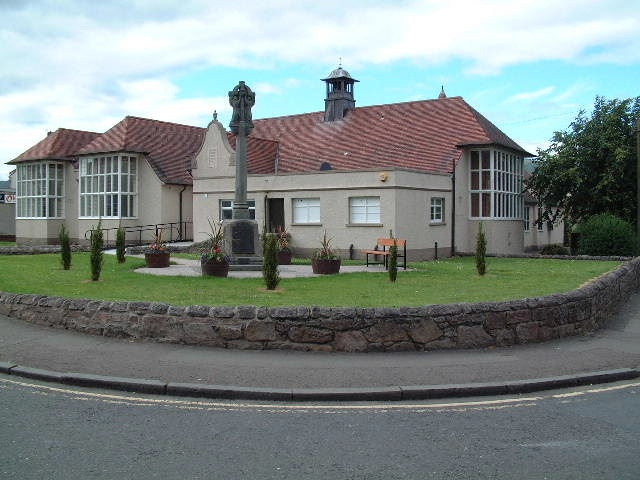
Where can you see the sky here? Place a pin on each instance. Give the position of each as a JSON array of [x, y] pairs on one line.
[[528, 66]]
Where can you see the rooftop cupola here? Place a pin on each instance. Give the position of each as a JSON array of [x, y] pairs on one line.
[[339, 98]]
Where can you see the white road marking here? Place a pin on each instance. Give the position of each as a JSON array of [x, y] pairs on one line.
[[213, 405]]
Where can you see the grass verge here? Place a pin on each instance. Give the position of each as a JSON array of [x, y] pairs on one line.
[[445, 281]]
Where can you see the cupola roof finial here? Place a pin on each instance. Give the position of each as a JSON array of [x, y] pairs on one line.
[[442, 94]]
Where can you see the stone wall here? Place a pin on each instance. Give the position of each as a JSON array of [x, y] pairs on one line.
[[344, 329]]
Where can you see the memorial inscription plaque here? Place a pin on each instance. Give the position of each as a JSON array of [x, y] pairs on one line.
[[242, 238]]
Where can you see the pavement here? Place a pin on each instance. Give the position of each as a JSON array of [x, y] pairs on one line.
[[73, 358]]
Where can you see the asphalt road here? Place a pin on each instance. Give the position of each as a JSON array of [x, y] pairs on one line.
[[56, 432]]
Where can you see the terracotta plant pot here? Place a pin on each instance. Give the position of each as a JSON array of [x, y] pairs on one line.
[[325, 266], [284, 257], [157, 260], [214, 268]]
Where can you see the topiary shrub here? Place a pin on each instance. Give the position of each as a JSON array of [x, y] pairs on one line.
[[554, 249], [481, 250], [606, 234], [270, 272], [65, 248], [120, 245], [97, 259], [393, 261]]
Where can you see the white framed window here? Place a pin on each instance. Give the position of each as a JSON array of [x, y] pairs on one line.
[[495, 184], [437, 210], [527, 219], [306, 210], [363, 210], [40, 190], [226, 209], [109, 186]]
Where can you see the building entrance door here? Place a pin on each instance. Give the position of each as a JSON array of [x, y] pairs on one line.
[[275, 213]]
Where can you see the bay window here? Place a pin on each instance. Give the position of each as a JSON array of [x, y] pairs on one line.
[[496, 185], [40, 190], [108, 186]]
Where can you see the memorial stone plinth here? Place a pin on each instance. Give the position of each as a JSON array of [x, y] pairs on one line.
[[241, 232]]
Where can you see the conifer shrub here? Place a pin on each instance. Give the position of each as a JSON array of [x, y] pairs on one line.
[[606, 234], [97, 258], [121, 245], [393, 261], [554, 249], [481, 250], [65, 248], [270, 272]]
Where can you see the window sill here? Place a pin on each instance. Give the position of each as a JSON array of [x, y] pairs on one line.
[[437, 224], [378, 225], [306, 224], [108, 218]]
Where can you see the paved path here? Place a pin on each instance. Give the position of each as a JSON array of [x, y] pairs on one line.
[[191, 268], [308, 376]]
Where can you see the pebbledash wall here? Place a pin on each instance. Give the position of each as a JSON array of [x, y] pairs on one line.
[[466, 325]]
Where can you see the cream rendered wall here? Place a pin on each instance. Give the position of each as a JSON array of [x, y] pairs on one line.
[[72, 201], [150, 198], [464, 237], [413, 211], [37, 231], [504, 237], [7, 219], [404, 198], [535, 239]]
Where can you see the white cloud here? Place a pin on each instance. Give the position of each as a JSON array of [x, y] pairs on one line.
[[266, 88], [87, 64], [529, 96]]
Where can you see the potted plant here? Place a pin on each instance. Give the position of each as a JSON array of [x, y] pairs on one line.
[[324, 260], [213, 261], [284, 252], [156, 255]]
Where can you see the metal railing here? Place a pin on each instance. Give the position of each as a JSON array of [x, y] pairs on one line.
[[171, 232]]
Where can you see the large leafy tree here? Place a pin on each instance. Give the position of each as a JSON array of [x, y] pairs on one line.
[[590, 168]]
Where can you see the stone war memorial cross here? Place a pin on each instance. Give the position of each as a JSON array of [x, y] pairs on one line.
[[241, 233]]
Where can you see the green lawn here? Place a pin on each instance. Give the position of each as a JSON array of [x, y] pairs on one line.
[[448, 281]]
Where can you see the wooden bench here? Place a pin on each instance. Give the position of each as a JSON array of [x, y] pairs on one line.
[[386, 244]]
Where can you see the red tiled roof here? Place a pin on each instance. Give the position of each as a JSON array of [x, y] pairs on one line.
[[59, 145], [423, 135], [261, 153], [170, 147]]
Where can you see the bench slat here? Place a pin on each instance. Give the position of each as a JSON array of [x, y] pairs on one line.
[[388, 242]]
